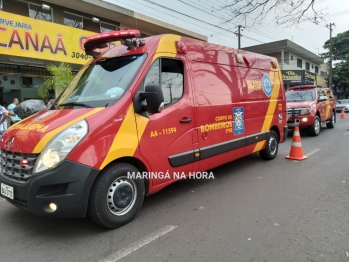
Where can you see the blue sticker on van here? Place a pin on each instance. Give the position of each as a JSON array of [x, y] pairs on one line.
[[239, 121], [267, 85]]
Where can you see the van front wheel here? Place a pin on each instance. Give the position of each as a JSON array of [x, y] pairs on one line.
[[271, 148], [116, 196]]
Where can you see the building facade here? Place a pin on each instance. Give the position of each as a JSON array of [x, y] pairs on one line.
[[298, 65], [35, 34]]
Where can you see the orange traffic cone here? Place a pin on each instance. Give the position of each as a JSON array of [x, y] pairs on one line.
[[343, 116], [296, 152]]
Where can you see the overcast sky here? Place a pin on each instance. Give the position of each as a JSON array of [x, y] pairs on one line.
[[307, 34]]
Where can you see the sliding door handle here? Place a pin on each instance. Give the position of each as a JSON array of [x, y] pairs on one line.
[[185, 120]]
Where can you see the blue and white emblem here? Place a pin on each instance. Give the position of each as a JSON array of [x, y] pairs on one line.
[[239, 120], [267, 85]]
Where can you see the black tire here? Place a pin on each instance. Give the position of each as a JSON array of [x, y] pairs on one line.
[[314, 129], [332, 123], [114, 189], [271, 148]]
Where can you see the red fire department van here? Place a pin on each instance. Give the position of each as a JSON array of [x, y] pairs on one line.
[[165, 104], [308, 106]]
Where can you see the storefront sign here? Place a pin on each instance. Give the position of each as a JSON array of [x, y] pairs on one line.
[[292, 76], [321, 81], [32, 38], [309, 78]]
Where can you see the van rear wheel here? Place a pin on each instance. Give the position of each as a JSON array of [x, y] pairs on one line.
[[271, 148], [116, 196]]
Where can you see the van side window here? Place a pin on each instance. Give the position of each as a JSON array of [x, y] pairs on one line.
[[322, 93], [170, 73], [153, 75], [329, 94], [319, 93], [172, 80]]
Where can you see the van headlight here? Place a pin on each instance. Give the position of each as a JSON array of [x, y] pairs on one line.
[[305, 111], [60, 146]]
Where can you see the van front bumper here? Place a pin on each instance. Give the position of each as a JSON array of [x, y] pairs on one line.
[[300, 121], [67, 186]]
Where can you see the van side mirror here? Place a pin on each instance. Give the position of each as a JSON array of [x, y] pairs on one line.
[[154, 98], [322, 98]]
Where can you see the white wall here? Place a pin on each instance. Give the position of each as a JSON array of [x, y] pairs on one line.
[[292, 64]]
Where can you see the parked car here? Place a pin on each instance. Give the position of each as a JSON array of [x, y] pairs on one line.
[[309, 106], [342, 103]]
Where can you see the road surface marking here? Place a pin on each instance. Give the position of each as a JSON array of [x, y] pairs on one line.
[[309, 154], [138, 244], [312, 152], [346, 134]]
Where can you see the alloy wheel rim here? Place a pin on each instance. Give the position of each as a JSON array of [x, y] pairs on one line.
[[317, 126]]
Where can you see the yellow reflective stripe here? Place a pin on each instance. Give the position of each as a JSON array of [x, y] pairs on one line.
[[167, 44], [126, 140], [272, 106], [43, 142], [328, 109]]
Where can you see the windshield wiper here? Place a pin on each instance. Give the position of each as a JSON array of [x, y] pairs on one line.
[[75, 104]]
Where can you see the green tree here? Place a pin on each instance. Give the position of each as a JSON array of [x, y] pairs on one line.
[[341, 81], [340, 47], [62, 75]]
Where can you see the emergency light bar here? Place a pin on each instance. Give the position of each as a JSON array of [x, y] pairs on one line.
[[101, 41]]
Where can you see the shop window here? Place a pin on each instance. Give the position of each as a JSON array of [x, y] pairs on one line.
[[287, 57], [27, 81], [38, 12], [73, 20], [170, 73], [299, 63], [105, 27]]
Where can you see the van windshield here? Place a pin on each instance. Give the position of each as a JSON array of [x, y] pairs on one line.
[[300, 96], [102, 83]]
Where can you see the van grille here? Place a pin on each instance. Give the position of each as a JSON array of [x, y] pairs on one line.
[[295, 111], [11, 168]]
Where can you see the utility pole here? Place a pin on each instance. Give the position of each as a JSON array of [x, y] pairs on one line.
[[239, 34], [330, 73]]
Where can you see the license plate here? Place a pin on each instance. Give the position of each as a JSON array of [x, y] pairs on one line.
[[7, 191]]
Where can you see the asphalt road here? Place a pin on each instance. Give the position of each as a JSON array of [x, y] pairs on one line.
[[280, 210]]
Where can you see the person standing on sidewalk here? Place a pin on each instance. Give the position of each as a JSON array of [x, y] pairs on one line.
[[11, 107], [5, 118]]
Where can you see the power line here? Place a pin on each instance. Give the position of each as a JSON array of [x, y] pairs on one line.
[[179, 19], [239, 35], [151, 2], [264, 28]]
